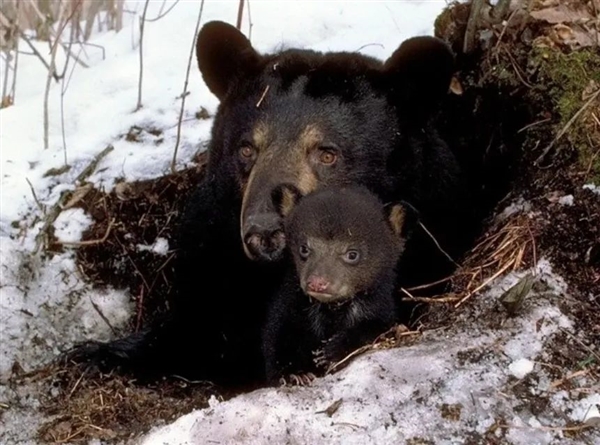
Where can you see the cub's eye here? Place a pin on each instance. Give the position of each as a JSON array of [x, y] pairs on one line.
[[327, 156], [304, 251], [352, 256], [247, 152]]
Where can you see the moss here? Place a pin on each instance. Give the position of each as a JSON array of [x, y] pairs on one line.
[[561, 79]]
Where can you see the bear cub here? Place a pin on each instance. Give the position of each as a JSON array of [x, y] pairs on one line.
[[345, 246]]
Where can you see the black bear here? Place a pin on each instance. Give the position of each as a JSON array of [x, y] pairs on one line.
[[341, 294], [311, 120]]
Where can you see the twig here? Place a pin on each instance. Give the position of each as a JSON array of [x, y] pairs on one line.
[[185, 85], [52, 73], [551, 428], [567, 126], [95, 306], [76, 384], [438, 245], [162, 14], [13, 89], [142, 21], [533, 124], [452, 299], [89, 242], [5, 82], [138, 321], [240, 15], [38, 55], [425, 286], [517, 69], [249, 21], [366, 45], [263, 96], [63, 90], [35, 198], [504, 26]]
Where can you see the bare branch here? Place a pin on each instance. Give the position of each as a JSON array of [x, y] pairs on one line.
[[161, 15], [13, 89], [240, 14], [142, 21], [184, 94], [249, 21], [37, 53]]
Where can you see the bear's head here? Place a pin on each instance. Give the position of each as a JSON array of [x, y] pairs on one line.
[[311, 119]]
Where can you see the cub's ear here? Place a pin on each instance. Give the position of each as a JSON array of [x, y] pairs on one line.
[[418, 74], [224, 55], [285, 197], [402, 218]]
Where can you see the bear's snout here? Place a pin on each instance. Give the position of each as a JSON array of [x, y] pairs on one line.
[[263, 237]]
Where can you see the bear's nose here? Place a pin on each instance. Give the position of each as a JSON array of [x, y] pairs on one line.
[[263, 237], [317, 284]]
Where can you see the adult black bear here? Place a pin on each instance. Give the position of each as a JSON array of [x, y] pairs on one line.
[[345, 245], [307, 119]]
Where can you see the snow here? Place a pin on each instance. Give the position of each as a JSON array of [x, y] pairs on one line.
[[593, 188], [46, 305], [566, 200], [521, 367], [159, 247]]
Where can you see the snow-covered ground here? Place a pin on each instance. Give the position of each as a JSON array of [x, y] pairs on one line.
[[45, 306]]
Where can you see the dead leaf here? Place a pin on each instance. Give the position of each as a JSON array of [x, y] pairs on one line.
[[78, 195], [331, 409], [513, 298], [562, 13], [57, 171]]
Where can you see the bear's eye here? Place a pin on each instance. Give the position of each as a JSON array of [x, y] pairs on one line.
[[352, 256], [327, 156], [304, 251], [247, 152]]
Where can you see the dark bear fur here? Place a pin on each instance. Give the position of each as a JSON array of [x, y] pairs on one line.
[[306, 328], [310, 119]]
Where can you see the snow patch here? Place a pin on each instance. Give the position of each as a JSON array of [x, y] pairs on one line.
[[566, 200], [587, 409], [593, 188], [159, 247], [521, 367], [519, 206], [70, 225]]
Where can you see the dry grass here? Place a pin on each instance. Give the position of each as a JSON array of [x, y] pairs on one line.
[[107, 407]]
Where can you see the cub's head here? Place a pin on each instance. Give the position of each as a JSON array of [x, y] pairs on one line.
[[310, 120], [343, 240]]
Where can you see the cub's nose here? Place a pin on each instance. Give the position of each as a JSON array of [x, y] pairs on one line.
[[263, 237], [317, 284]]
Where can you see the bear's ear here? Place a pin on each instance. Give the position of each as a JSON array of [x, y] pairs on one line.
[[224, 55], [285, 197], [418, 74], [402, 218]]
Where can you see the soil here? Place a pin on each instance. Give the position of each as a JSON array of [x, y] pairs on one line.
[[510, 106]]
